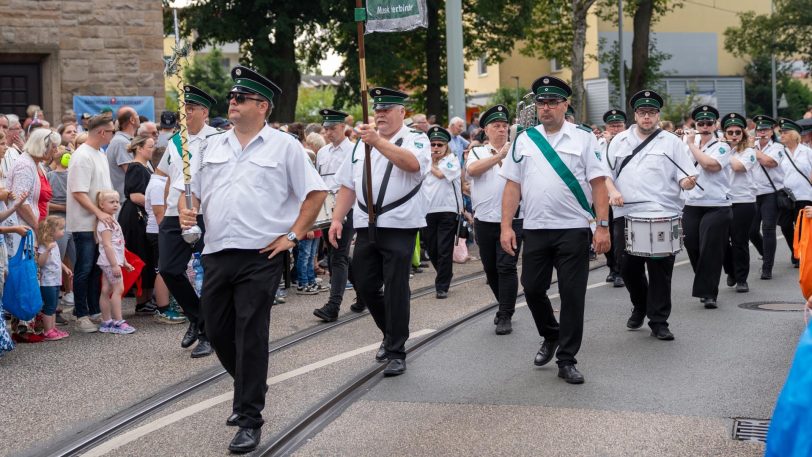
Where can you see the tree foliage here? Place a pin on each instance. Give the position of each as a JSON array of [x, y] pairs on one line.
[[785, 33], [610, 58], [312, 99], [507, 96], [207, 72], [758, 86]]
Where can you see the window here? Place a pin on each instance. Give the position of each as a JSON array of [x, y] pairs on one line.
[[481, 66], [554, 66]]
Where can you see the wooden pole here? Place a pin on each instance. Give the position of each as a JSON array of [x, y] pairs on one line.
[[365, 112]]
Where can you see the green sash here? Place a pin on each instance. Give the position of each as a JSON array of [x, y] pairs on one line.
[[560, 168], [178, 147]]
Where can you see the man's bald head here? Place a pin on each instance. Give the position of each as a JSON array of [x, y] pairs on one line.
[[127, 119]]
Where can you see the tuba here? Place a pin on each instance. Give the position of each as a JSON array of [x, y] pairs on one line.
[[526, 114]]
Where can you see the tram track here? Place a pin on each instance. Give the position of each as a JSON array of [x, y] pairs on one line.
[[89, 437]]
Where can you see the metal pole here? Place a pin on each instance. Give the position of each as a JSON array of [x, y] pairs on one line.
[[772, 73], [456, 68], [621, 64], [365, 112], [518, 90]]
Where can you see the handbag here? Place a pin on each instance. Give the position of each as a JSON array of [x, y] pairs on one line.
[[21, 294], [784, 198], [460, 254]]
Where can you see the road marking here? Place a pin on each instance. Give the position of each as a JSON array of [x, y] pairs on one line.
[[169, 419]]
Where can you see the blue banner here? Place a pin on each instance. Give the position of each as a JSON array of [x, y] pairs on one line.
[[94, 104]]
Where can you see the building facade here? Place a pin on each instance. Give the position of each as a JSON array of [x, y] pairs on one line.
[[53, 50]]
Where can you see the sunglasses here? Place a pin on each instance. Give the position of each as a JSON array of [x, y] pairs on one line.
[[241, 98], [705, 123], [552, 103], [733, 132], [437, 145]]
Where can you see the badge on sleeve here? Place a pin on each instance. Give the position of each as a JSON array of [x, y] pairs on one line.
[[752, 158], [418, 144], [722, 150], [449, 165], [598, 154]]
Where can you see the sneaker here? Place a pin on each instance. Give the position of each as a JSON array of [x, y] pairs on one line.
[[321, 287], [85, 325], [349, 286], [106, 327], [319, 280], [96, 318], [60, 319], [280, 296], [146, 308], [54, 335], [67, 313], [122, 328], [67, 299], [169, 316], [307, 290]]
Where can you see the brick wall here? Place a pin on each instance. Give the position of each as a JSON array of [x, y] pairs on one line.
[[89, 47]]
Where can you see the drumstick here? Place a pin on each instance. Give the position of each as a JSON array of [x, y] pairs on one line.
[[680, 169]]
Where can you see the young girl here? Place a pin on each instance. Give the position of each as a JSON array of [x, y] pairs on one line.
[[51, 268], [111, 259]]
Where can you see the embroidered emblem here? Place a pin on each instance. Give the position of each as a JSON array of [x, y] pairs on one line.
[[598, 154], [450, 165], [238, 72], [647, 93], [546, 80], [722, 150], [418, 144]]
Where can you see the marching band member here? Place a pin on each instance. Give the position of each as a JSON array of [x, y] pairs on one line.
[[646, 164], [259, 194], [614, 122], [441, 191], [382, 257], [743, 198], [482, 168], [328, 161], [552, 169], [797, 165], [707, 212], [175, 252], [769, 179]]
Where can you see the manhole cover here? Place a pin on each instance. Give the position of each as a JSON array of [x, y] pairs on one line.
[[773, 306], [745, 429]]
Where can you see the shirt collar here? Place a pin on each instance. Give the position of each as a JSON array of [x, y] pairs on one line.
[[231, 138]]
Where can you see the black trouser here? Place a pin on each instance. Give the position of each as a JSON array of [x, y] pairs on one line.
[[737, 250], [175, 256], [381, 272], [706, 233], [238, 290], [500, 267], [786, 219], [439, 238], [615, 252], [764, 221], [338, 262], [650, 296], [568, 251]]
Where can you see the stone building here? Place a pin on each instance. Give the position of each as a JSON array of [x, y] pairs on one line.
[[51, 50]]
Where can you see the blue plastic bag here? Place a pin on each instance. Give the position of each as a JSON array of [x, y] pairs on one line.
[[21, 294], [790, 433]]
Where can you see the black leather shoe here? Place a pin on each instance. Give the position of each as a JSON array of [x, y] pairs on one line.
[[570, 374], [731, 281], [503, 326], [610, 277], [357, 307], [619, 282], [546, 352], [442, 294], [766, 274], [246, 440], [662, 333], [424, 265], [635, 320], [417, 270], [232, 420], [190, 337], [710, 303], [796, 263], [203, 348], [395, 367], [380, 356], [742, 287], [326, 313]]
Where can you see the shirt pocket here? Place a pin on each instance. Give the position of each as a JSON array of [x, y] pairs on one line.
[[264, 170]]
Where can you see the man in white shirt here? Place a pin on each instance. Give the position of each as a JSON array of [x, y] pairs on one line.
[[328, 161], [88, 174], [259, 194], [552, 169], [175, 253], [646, 176], [400, 158], [614, 122]]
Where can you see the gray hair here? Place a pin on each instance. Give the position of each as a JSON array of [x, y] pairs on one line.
[[142, 129], [12, 119], [456, 119], [40, 141]]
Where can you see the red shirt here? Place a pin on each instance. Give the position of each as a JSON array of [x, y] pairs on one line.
[[45, 194]]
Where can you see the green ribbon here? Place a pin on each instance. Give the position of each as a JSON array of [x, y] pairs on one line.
[[178, 147], [560, 168]]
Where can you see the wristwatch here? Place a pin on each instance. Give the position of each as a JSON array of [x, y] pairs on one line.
[[292, 237], [603, 223]]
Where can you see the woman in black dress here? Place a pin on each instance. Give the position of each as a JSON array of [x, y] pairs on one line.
[[133, 216]]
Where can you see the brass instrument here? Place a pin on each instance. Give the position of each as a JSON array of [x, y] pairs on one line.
[[526, 114]]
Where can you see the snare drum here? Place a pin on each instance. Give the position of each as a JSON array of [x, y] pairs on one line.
[[653, 234], [325, 217]]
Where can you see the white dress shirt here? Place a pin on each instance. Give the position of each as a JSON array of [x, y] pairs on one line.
[[742, 187], [329, 160], [716, 184], [442, 195], [547, 201], [487, 188], [774, 151], [798, 183], [250, 196], [172, 166], [411, 214]]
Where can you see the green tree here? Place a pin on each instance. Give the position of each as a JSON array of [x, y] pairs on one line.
[[207, 73], [784, 33], [610, 57], [507, 96], [312, 99], [758, 86]]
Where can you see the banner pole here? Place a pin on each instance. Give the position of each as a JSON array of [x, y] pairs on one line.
[[360, 17]]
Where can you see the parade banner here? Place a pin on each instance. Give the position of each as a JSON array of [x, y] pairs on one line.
[[395, 15], [94, 104]]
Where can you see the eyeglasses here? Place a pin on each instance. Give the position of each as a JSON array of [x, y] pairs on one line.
[[437, 145], [241, 98], [705, 123], [108, 131], [647, 112], [733, 132], [550, 104]]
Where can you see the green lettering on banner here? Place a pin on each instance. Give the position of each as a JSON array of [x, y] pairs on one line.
[[395, 15]]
